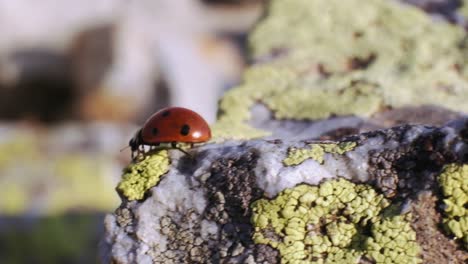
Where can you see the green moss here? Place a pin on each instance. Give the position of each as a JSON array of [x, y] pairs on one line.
[[316, 152], [141, 176], [328, 223], [454, 182]]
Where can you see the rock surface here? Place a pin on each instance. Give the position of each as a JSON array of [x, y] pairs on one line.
[[313, 158], [382, 197]]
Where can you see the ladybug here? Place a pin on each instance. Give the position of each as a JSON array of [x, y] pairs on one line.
[[171, 125]]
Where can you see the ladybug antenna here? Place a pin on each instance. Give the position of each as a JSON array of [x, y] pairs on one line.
[[124, 148]]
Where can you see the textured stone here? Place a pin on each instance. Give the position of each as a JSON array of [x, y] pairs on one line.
[[237, 202]]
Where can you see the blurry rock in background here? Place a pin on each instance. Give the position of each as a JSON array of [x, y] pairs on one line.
[[446, 9], [76, 80], [111, 55]]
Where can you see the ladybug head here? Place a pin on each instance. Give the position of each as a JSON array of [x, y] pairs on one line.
[[136, 141]]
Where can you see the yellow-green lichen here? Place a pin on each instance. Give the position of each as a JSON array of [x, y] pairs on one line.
[[329, 224], [316, 152], [332, 62], [464, 9], [393, 241], [21, 145], [80, 180], [55, 183], [411, 61], [141, 176], [234, 108], [454, 182], [358, 98]]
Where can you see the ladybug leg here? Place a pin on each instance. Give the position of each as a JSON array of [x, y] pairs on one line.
[[188, 154], [174, 145]]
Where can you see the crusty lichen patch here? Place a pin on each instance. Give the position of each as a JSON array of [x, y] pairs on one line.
[[331, 48], [359, 98], [454, 182], [234, 108], [316, 152], [332, 62], [141, 176], [330, 223], [393, 241]]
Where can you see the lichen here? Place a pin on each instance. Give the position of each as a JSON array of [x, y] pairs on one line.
[[16, 199], [224, 129], [358, 98], [328, 223], [63, 181], [331, 47], [80, 175], [316, 152], [141, 176], [21, 145], [331, 62], [454, 183], [463, 10], [393, 241], [234, 108]]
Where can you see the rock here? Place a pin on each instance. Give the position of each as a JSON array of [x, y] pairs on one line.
[[314, 159], [337, 204]]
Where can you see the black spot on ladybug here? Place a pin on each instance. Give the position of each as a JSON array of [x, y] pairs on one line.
[[154, 131], [166, 113], [185, 130]]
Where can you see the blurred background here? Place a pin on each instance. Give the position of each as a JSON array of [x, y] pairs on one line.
[[77, 79]]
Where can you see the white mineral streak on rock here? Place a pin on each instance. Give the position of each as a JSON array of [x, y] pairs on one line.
[[412, 133]]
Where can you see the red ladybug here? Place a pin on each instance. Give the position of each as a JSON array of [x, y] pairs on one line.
[[171, 125]]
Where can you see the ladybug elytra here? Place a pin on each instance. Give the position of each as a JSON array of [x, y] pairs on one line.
[[171, 125]]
